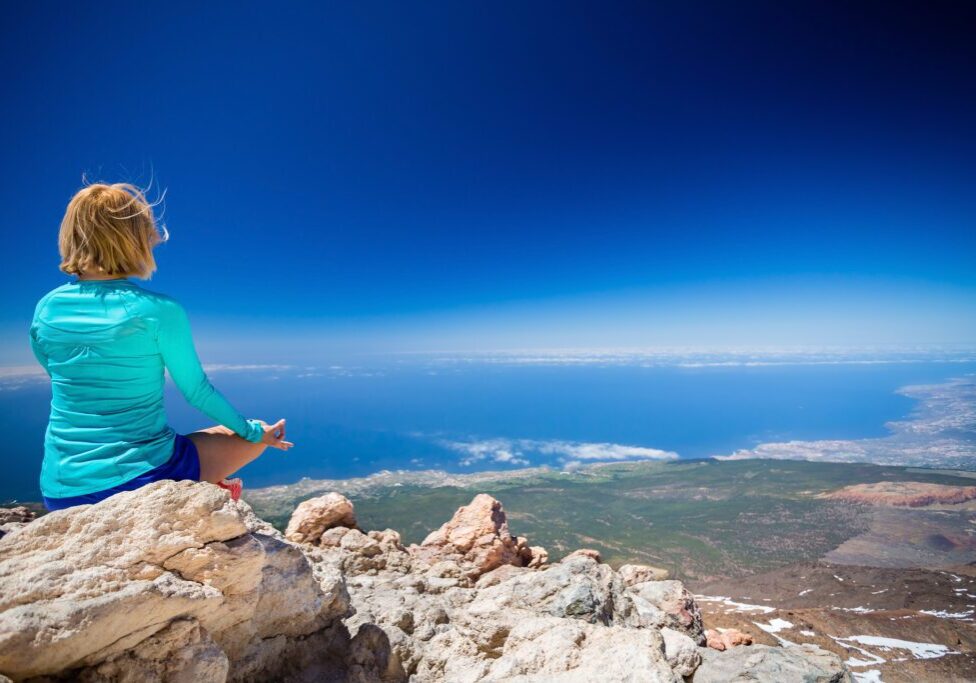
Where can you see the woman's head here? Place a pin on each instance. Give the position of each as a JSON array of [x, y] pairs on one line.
[[110, 230]]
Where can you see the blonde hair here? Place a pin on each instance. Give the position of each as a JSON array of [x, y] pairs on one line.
[[111, 229]]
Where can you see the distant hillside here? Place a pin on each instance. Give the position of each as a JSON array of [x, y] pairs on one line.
[[700, 519]]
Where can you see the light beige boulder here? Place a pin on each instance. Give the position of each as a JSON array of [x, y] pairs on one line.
[[316, 515], [170, 571], [540, 649]]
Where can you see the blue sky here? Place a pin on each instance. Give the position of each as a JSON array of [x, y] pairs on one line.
[[376, 176]]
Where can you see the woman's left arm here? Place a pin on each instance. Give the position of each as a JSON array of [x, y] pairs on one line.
[[180, 357]]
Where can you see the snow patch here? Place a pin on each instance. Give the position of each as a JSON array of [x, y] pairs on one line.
[[774, 626], [946, 615], [918, 650], [737, 606]]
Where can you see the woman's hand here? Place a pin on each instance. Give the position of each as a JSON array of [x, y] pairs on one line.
[[274, 435]]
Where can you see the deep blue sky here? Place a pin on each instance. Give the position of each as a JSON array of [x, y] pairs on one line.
[[483, 175]]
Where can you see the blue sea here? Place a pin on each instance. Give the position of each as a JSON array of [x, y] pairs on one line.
[[353, 419]]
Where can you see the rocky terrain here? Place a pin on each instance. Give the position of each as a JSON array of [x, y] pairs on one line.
[[699, 519], [177, 582], [895, 625]]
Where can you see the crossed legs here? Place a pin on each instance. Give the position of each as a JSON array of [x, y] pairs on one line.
[[222, 452]]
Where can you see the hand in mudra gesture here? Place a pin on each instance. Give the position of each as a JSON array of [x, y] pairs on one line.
[[274, 435]]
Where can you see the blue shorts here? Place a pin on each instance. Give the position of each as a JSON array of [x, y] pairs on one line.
[[183, 464]]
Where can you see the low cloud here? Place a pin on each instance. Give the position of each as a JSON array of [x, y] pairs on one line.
[[570, 454]]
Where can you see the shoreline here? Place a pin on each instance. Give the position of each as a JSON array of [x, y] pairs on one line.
[[906, 436]]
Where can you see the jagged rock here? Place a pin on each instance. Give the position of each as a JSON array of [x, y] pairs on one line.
[[314, 516], [639, 573], [171, 571], [680, 611], [681, 652], [585, 552], [476, 537], [12, 519], [726, 638], [807, 663]]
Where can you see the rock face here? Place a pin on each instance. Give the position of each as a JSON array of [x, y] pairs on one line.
[[174, 578], [904, 494], [176, 582]]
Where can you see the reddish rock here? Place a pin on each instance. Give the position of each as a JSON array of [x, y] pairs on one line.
[[904, 494], [713, 639], [727, 638], [477, 537]]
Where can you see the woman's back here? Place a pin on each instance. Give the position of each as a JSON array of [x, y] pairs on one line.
[[105, 344]]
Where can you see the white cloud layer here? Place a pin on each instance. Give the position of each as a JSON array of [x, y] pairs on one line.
[[708, 356]]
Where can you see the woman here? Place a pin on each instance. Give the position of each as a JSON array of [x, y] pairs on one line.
[[105, 342]]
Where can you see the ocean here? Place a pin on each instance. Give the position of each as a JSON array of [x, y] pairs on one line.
[[412, 413]]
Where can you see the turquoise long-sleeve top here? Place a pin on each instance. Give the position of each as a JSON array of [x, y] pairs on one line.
[[105, 344]]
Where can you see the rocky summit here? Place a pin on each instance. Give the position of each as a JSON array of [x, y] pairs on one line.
[[177, 582]]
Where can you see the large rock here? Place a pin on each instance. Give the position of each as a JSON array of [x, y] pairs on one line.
[[477, 538], [576, 587], [176, 582], [540, 649], [806, 663], [169, 573], [315, 516]]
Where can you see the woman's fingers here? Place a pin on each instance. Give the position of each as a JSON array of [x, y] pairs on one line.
[[274, 435]]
